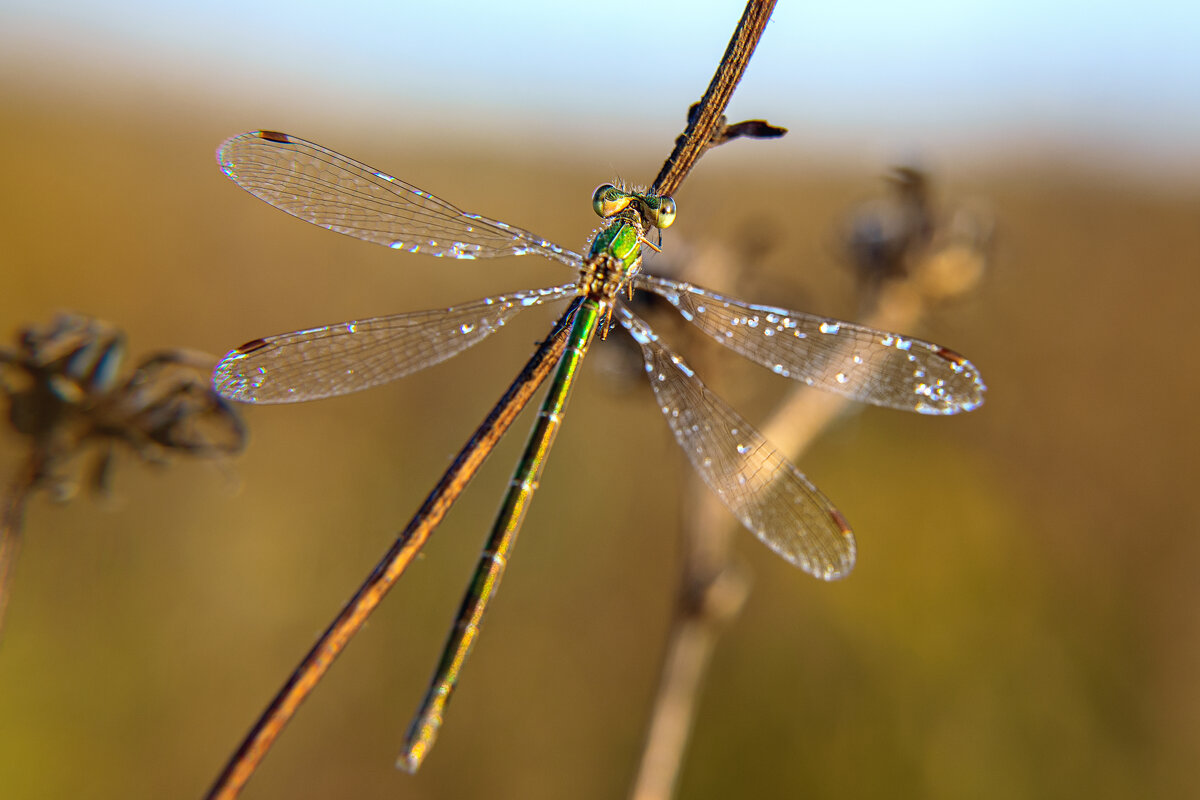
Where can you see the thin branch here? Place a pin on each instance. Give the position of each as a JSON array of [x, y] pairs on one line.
[[354, 615], [703, 609], [704, 126]]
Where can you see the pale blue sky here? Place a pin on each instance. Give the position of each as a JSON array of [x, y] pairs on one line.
[[1118, 80]]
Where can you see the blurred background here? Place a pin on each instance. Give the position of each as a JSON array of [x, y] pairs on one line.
[[1022, 620]]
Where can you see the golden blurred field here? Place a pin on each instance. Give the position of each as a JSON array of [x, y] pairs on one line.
[[1022, 621]]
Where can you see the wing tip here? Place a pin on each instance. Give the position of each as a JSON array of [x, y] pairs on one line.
[[834, 552], [224, 157], [231, 381], [962, 391], [275, 136], [246, 349], [843, 567]]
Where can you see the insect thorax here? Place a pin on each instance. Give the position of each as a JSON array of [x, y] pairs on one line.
[[615, 256]]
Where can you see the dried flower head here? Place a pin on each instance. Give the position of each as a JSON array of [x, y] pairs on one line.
[[68, 396], [902, 236]]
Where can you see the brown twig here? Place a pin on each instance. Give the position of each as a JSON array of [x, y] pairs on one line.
[[711, 592], [320, 658], [705, 125], [706, 128]]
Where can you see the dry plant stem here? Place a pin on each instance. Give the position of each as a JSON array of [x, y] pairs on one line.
[[710, 594], [12, 518], [699, 132], [706, 603], [711, 591], [688, 149], [352, 617], [712, 587]]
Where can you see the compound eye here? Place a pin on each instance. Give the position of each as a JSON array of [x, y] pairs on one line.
[[660, 210], [608, 200]]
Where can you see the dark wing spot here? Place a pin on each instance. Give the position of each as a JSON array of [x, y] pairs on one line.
[[275, 136], [250, 347], [950, 355], [840, 521]]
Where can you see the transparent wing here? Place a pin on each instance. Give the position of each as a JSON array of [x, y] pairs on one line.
[[763, 489], [344, 195], [349, 356], [862, 363]]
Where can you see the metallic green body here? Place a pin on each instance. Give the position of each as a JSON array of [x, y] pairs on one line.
[[613, 258], [620, 240], [494, 559]]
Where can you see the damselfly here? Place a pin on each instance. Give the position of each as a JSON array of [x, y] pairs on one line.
[[760, 486]]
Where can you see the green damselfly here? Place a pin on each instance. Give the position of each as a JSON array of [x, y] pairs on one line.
[[761, 487]]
